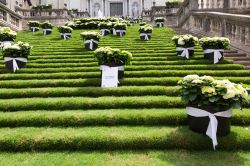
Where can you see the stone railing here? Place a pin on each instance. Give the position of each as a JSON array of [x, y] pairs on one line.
[[215, 4], [44, 13], [10, 18], [160, 11], [55, 16], [210, 19], [236, 27]]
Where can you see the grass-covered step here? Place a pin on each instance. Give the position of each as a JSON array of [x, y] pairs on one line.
[[107, 102], [113, 117], [128, 74], [86, 55], [125, 158], [89, 92], [136, 59], [96, 82], [114, 138], [130, 68], [65, 103]]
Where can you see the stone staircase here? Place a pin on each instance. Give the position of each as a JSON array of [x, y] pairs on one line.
[[236, 55]]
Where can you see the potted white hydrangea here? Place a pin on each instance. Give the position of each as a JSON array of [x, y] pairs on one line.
[[120, 29], [160, 21], [34, 25], [91, 39], [16, 55], [65, 32], [209, 103], [185, 45], [47, 28], [7, 35], [214, 47], [105, 28], [107, 56], [146, 32]]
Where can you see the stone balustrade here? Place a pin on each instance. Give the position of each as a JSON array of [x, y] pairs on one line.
[[235, 27], [220, 4], [57, 17], [160, 11], [33, 13], [212, 18]]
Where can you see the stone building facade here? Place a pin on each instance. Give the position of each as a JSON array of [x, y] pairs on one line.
[[8, 15], [107, 7]]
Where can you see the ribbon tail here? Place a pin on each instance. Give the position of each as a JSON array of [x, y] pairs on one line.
[[15, 66], [217, 56], [91, 44], [212, 130]]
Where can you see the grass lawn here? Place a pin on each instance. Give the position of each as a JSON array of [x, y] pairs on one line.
[[127, 158]]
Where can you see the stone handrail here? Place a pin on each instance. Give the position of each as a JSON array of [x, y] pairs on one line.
[[234, 26], [32, 13], [158, 11], [232, 4]]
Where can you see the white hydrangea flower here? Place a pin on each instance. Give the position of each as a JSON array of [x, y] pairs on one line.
[[181, 41], [230, 94], [208, 89], [191, 77], [207, 78], [197, 81]]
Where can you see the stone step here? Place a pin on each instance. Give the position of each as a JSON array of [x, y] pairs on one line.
[[236, 55], [246, 63]]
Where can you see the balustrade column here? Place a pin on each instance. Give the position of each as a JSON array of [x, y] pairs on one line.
[[215, 5], [242, 35], [237, 37], [247, 41], [247, 3]]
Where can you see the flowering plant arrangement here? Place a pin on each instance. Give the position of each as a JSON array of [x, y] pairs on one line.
[[33, 23], [46, 25], [90, 35], [185, 40], [160, 19], [48, 6], [120, 26], [146, 29], [142, 23], [215, 43], [205, 91], [105, 25], [19, 49], [110, 55], [65, 29], [6, 34]]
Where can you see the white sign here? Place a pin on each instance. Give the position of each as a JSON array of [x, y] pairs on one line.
[[109, 77]]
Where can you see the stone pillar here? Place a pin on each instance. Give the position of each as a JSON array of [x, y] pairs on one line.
[[248, 4], [194, 4], [201, 4], [223, 28], [128, 8], [247, 41], [237, 37], [103, 7], [226, 3], [89, 9]]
